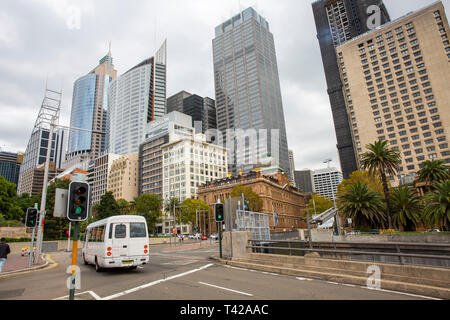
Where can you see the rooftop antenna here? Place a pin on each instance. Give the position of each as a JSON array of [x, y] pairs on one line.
[[327, 161]]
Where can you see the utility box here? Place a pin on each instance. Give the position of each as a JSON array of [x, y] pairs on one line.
[[60, 209]]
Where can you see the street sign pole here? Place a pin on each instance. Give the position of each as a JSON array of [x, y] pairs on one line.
[[74, 260]]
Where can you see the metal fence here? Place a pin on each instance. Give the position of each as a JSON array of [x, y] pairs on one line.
[[424, 254], [255, 222]]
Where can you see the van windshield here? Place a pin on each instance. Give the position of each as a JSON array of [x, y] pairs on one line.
[[137, 230]]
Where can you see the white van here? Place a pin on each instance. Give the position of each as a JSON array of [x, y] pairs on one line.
[[117, 242]]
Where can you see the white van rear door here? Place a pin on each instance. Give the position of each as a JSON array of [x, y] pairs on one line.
[[138, 239], [120, 240]]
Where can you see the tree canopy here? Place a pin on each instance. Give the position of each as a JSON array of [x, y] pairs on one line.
[[319, 203], [149, 206], [255, 202]]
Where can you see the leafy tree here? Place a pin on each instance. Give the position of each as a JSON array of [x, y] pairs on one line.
[[372, 182], [406, 208], [385, 160], [321, 204], [433, 171], [189, 209], [255, 202], [149, 205], [54, 227], [363, 206], [26, 201], [9, 203], [126, 207], [437, 205], [107, 207]]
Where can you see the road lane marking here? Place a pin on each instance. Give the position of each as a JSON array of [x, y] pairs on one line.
[[180, 262], [303, 279], [239, 268], [214, 286], [155, 283]]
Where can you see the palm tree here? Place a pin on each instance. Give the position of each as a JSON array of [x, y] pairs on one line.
[[437, 205], [433, 171], [385, 160], [406, 208], [363, 206]]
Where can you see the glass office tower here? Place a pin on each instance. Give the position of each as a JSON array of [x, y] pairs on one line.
[[135, 99], [89, 111], [247, 86]]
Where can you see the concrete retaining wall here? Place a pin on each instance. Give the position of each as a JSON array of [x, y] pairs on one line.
[[234, 244], [14, 232], [327, 235]]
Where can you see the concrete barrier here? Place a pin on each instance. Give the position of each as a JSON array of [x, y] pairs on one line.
[[324, 235], [14, 232]]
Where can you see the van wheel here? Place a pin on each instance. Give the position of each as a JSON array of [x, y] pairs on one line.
[[97, 267], [84, 259], [133, 268]]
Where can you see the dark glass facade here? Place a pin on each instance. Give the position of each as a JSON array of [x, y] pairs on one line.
[[337, 22]]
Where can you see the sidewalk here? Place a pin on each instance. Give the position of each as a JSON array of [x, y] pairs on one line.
[[190, 246], [15, 262]]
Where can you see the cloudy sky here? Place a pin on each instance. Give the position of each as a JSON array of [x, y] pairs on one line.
[[44, 39]]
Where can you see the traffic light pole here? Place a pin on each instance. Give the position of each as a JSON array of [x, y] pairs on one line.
[[74, 260], [30, 258], [220, 239]]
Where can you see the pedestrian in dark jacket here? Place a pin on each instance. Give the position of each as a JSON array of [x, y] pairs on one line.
[[4, 251]]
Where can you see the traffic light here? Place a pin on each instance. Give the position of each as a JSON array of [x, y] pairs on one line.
[[78, 201], [218, 212], [32, 218]]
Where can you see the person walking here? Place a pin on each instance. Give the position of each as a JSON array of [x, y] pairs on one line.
[[4, 251]]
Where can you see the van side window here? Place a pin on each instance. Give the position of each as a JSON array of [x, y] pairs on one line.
[[99, 233], [120, 232]]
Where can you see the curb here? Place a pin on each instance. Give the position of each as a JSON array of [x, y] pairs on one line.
[[46, 257], [387, 285]]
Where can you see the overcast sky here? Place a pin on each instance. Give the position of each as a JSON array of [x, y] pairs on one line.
[[42, 39]]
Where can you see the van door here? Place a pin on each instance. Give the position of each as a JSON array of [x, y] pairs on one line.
[[138, 239], [120, 241]]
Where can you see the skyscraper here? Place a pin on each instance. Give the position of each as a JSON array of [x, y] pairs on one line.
[[247, 86], [89, 111], [175, 102], [398, 79], [36, 152], [10, 166], [135, 99], [336, 23]]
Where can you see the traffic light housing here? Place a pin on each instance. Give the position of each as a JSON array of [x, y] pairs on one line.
[[78, 201], [31, 218], [218, 212]]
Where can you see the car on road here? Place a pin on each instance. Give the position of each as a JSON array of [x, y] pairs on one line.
[[26, 250], [204, 237], [117, 242], [215, 236]]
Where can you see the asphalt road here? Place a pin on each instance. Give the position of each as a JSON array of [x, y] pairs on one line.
[[180, 275]]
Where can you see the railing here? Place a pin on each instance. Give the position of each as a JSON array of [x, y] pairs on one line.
[[394, 252]]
